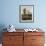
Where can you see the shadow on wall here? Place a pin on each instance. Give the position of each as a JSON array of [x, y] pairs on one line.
[[2, 26]]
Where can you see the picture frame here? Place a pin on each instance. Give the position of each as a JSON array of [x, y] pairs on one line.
[[26, 13]]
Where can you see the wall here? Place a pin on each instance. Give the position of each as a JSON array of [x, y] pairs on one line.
[[9, 13]]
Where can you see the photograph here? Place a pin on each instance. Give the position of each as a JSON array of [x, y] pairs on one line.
[[26, 13]]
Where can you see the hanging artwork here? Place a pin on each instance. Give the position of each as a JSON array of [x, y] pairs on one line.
[[26, 13]]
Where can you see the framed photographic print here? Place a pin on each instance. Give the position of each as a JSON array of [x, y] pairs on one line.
[[26, 13]]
